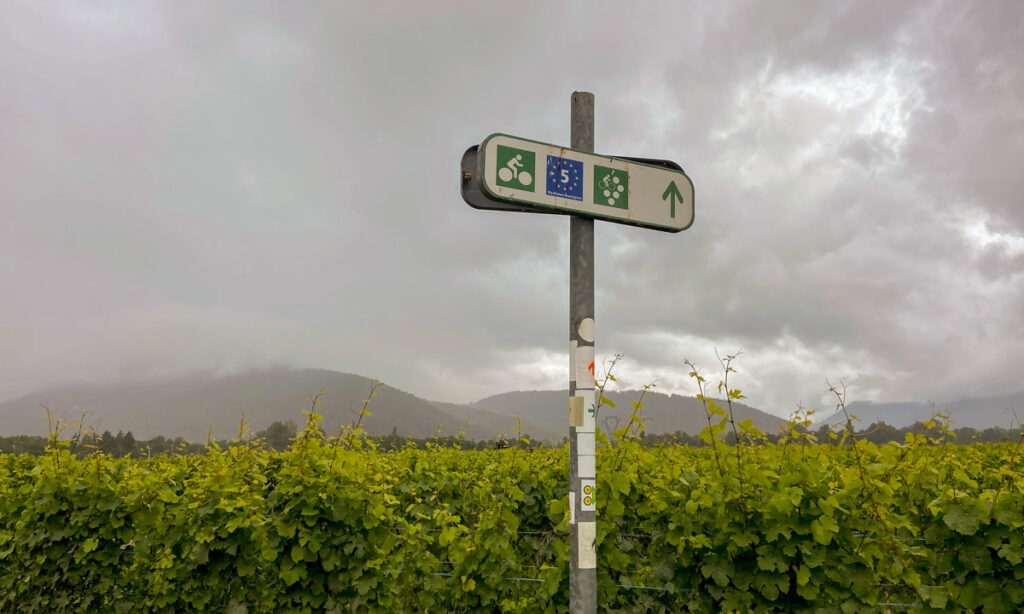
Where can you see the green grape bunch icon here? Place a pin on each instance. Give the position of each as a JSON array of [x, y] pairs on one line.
[[612, 189]]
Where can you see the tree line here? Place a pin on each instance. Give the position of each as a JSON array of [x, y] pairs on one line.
[[877, 433], [280, 434]]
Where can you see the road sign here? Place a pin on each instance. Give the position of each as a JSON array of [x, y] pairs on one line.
[[528, 175], [473, 194]]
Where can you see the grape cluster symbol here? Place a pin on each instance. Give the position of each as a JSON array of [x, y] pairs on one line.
[[612, 188]]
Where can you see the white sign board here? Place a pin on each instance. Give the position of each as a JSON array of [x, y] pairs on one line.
[[558, 178]]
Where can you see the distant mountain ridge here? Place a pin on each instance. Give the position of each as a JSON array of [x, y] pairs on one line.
[[979, 413], [194, 405], [191, 406]]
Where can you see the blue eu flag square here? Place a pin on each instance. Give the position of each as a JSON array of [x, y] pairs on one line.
[[565, 178]]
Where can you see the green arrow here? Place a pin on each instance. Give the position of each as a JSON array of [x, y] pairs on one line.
[[672, 191]]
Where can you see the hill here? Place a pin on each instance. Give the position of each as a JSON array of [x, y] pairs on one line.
[[189, 406], [978, 413], [548, 409], [193, 405]]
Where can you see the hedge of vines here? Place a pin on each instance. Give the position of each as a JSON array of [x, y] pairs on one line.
[[794, 527]]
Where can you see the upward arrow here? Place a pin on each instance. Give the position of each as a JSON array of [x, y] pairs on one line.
[[672, 194]]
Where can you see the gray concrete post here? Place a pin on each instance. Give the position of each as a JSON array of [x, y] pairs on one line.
[[582, 401]]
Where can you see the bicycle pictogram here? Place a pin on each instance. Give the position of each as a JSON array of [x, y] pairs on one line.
[[515, 168]]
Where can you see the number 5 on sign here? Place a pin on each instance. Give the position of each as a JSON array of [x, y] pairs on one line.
[[565, 178]]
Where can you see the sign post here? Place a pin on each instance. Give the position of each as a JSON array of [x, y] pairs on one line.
[[507, 173], [582, 404]]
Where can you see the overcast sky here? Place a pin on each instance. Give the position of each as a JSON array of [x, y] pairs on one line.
[[197, 185]]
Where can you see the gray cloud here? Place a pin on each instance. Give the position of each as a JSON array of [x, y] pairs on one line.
[[191, 186]]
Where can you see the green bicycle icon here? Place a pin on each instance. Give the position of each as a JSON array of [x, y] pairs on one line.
[[512, 171]]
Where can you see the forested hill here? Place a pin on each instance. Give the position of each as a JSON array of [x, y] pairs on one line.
[[195, 405], [978, 413], [199, 405]]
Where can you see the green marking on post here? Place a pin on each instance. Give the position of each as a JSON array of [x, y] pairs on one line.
[[611, 187], [517, 168]]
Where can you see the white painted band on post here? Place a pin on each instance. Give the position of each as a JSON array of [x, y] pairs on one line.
[[585, 444], [589, 398], [586, 533], [572, 508], [586, 459], [587, 465]]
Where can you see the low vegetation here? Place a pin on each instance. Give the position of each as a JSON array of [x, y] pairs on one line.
[[809, 521]]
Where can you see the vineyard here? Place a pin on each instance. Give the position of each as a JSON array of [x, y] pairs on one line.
[[326, 526]]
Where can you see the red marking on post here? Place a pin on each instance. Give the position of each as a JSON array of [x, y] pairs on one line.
[[591, 368]]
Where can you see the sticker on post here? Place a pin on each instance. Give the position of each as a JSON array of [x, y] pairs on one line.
[[584, 371], [586, 535], [586, 330], [576, 411], [589, 499], [572, 508]]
